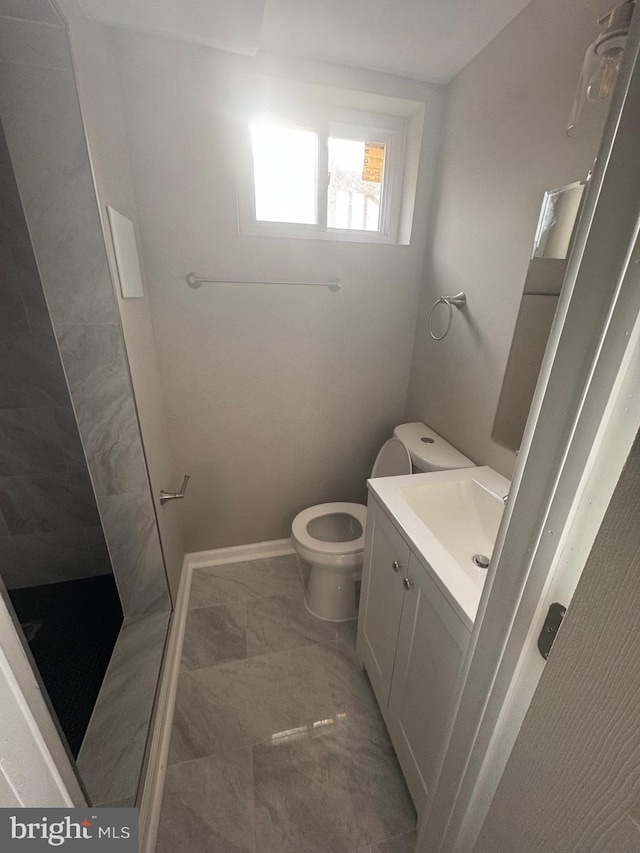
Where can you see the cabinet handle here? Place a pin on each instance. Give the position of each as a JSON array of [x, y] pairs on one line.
[[396, 566], [407, 583]]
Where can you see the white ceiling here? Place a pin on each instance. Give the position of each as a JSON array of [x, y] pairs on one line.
[[428, 40]]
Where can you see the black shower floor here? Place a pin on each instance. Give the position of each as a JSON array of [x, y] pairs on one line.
[[71, 629]]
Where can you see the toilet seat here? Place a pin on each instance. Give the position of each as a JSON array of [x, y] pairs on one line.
[[321, 535], [300, 524]]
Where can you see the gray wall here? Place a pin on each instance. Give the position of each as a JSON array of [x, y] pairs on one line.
[[41, 116], [49, 525], [504, 144], [277, 398], [101, 101], [572, 782]]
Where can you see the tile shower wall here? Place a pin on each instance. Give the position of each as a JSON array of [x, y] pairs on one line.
[[49, 525], [41, 116]]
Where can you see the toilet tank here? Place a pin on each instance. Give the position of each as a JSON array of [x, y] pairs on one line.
[[428, 450]]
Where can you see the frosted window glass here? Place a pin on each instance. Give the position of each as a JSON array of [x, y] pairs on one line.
[[285, 164]]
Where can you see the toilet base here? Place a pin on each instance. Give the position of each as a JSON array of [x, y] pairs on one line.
[[331, 595]]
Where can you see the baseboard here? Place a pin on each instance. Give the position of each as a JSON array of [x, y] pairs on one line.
[[239, 553], [153, 787], [156, 769]]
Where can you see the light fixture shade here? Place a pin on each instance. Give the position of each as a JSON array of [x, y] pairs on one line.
[[599, 73]]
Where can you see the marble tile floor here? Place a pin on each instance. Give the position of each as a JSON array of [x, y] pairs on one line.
[[277, 744]]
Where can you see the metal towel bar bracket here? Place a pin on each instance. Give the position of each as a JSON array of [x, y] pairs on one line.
[[459, 300], [196, 281]]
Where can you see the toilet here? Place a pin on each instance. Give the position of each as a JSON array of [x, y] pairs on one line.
[[331, 536]]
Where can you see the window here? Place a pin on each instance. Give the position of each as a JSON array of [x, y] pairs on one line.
[[338, 178]]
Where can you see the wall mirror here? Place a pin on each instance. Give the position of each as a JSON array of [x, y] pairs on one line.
[[551, 247], [557, 221]]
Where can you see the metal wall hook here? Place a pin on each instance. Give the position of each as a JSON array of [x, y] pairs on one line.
[[174, 496], [459, 300]]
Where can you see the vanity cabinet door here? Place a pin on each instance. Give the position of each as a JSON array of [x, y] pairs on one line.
[[386, 561], [431, 643]]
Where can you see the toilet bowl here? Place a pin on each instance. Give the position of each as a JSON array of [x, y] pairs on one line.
[[330, 536]]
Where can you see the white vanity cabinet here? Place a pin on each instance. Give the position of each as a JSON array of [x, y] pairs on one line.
[[411, 642]]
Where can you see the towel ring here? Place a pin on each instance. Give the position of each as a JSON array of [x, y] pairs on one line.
[[459, 300]]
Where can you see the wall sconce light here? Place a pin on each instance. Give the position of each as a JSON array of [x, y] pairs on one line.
[[600, 71]]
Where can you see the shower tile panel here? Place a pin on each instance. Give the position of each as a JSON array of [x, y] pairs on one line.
[[13, 227], [71, 254], [98, 549], [70, 442], [111, 755], [33, 94], [29, 42], [13, 314], [30, 442], [36, 559], [47, 503], [41, 117], [31, 292], [208, 805], [130, 530], [30, 10], [97, 372], [39, 445], [30, 371]]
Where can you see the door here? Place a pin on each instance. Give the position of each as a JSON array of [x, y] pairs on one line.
[[431, 643], [385, 562], [571, 784]]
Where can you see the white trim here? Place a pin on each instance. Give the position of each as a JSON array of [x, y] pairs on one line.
[[239, 553], [156, 768], [35, 766], [326, 121]]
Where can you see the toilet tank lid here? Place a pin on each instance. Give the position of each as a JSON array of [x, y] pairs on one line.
[[434, 454], [392, 460]]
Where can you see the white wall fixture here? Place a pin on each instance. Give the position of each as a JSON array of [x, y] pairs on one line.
[[126, 252]]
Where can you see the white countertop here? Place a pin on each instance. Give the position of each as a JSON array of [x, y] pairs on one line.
[[462, 584]]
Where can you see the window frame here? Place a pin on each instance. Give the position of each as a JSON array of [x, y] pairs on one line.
[[325, 123]]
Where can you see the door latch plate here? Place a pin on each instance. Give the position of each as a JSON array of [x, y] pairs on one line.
[[550, 628]]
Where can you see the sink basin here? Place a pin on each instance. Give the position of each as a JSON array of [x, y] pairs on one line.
[[463, 515], [448, 518]]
